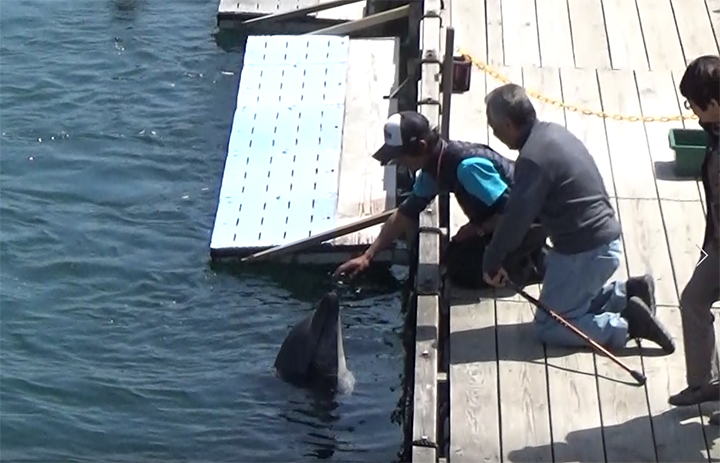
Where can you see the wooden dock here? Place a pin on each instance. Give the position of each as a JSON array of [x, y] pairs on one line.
[[510, 398], [309, 111], [231, 13], [483, 389]]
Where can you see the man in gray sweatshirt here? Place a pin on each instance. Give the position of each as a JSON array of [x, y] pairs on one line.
[[557, 181]]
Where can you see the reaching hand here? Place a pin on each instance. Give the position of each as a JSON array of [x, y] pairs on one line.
[[353, 267], [498, 281]]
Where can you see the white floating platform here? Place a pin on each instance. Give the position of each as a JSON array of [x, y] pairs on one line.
[[283, 173]]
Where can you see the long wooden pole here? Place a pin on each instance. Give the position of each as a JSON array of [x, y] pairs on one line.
[[298, 12], [319, 238]]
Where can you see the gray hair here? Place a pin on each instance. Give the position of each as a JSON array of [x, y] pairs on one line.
[[510, 102]]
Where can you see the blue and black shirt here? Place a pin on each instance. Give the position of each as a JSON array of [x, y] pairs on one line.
[[479, 177]]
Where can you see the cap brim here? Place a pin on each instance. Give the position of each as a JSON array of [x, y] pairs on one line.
[[387, 155]]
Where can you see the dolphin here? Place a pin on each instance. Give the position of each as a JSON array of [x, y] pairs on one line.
[[312, 355]]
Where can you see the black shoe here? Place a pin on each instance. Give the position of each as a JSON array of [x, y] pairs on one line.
[[644, 288], [643, 325], [695, 395]]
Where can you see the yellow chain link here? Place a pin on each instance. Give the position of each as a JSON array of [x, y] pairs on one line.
[[560, 104]]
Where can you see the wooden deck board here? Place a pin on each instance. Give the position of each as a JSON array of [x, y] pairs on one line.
[[646, 247], [694, 28], [572, 386], [661, 38], [678, 431], [658, 97], [553, 21], [590, 42], [713, 8], [520, 33], [631, 166], [365, 187], [468, 121], [712, 432], [580, 88], [494, 18], [627, 47], [473, 376], [685, 226], [523, 386], [624, 412], [243, 8]]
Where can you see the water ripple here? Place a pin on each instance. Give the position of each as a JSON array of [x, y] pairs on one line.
[[117, 342]]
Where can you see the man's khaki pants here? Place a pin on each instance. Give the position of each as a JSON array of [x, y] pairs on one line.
[[703, 289]]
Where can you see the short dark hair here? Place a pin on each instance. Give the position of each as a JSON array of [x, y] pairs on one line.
[[700, 83], [510, 101]]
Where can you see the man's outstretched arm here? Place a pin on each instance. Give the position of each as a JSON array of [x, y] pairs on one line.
[[524, 204]]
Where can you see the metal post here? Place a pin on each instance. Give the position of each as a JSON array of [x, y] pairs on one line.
[[447, 88]]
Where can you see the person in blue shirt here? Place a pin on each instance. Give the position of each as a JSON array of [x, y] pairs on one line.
[[479, 177]]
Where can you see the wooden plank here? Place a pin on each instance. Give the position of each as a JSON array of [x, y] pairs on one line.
[[494, 18], [712, 431], [468, 20], [553, 21], [244, 9], [520, 33], [627, 47], [425, 407], [467, 112], [624, 412], [658, 97], [425, 397], [661, 38], [295, 13], [523, 386], [590, 42], [427, 279], [685, 227], [713, 8], [678, 431], [580, 88], [572, 386], [646, 246], [365, 187], [694, 28], [631, 165], [473, 376]]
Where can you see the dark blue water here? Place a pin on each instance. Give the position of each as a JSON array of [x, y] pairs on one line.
[[118, 340]]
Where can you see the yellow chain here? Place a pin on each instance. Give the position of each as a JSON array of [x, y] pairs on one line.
[[559, 104]]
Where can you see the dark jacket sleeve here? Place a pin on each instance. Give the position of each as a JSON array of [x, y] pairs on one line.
[[524, 204]]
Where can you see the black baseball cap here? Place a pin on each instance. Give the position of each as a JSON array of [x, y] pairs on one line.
[[403, 131]]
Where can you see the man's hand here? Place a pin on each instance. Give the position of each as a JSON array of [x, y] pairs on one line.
[[466, 231], [353, 267], [499, 280]]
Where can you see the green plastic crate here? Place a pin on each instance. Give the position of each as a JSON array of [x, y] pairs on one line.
[[689, 147]]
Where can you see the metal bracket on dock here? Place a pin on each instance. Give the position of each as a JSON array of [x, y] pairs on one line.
[[425, 442], [442, 231], [428, 101], [432, 14]]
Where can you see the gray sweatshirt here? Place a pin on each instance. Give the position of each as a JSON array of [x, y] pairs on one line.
[[556, 181]]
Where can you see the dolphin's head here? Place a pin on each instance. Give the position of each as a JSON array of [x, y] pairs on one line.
[[313, 352], [326, 330]]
